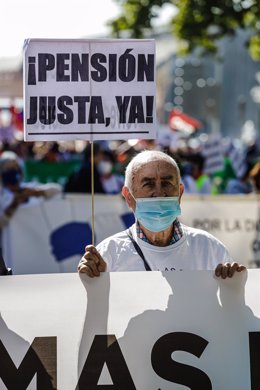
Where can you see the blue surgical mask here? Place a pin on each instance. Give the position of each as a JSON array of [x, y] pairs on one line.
[[157, 214]]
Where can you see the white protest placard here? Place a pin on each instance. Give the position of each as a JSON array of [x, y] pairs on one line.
[[89, 89], [130, 330], [212, 150]]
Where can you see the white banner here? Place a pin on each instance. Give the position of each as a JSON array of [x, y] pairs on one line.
[[60, 332], [51, 236], [235, 220], [89, 89]]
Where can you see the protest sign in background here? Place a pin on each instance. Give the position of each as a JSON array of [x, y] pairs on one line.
[[197, 332], [89, 89], [61, 228], [235, 220]]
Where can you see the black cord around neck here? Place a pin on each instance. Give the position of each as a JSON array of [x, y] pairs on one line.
[[138, 250]]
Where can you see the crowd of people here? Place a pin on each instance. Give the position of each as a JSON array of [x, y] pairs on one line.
[[111, 158]]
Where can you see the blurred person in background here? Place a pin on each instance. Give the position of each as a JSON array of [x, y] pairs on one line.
[[254, 176], [80, 180], [14, 192], [112, 182], [202, 181], [188, 180], [240, 184]]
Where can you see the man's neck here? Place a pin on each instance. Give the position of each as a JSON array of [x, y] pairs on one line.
[[162, 238]]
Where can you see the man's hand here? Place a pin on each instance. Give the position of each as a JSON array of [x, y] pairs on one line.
[[32, 192], [19, 198], [227, 270], [92, 262]]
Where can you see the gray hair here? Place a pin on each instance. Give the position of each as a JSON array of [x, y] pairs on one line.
[[143, 158]]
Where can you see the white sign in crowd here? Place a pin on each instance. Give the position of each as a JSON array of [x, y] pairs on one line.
[[63, 228], [89, 89], [130, 330]]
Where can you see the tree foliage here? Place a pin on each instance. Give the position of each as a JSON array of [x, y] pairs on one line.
[[197, 23]]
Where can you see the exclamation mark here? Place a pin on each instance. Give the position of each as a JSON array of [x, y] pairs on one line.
[[149, 109], [31, 71]]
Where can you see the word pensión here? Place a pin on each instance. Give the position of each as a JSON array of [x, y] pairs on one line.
[[85, 67]]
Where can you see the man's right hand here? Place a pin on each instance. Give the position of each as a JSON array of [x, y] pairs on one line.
[[92, 262]]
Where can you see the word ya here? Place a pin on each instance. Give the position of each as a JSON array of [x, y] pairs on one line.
[[66, 67], [88, 109]]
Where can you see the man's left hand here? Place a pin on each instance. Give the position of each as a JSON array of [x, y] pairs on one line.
[[228, 270]]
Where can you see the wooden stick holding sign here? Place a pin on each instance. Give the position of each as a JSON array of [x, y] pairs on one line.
[[89, 90], [92, 194]]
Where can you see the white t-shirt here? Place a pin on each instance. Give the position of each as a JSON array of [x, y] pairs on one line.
[[196, 250]]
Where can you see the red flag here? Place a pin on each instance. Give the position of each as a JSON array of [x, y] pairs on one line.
[[179, 121]]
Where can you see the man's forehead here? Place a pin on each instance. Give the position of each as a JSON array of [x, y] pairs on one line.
[[155, 168]]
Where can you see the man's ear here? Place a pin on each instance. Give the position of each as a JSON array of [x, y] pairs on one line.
[[128, 197], [181, 191]]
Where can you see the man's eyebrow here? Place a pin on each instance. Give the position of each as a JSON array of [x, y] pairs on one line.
[[151, 178], [168, 177], [146, 178]]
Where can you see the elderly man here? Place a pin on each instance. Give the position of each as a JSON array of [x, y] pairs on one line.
[[157, 240]]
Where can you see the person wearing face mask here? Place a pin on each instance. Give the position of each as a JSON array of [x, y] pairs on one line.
[[157, 240], [112, 183], [14, 192], [80, 180]]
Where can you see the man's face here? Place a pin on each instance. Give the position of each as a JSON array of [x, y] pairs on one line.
[[156, 179]]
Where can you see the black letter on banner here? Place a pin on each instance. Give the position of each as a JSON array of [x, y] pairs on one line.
[[67, 116], [80, 67], [254, 347], [145, 68], [122, 105], [99, 354], [127, 66], [45, 62], [112, 67], [61, 66], [175, 372], [31, 71], [136, 113], [81, 100], [33, 110], [47, 109], [101, 73], [149, 109], [40, 359], [96, 113]]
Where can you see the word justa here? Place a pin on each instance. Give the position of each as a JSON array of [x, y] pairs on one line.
[[88, 109]]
